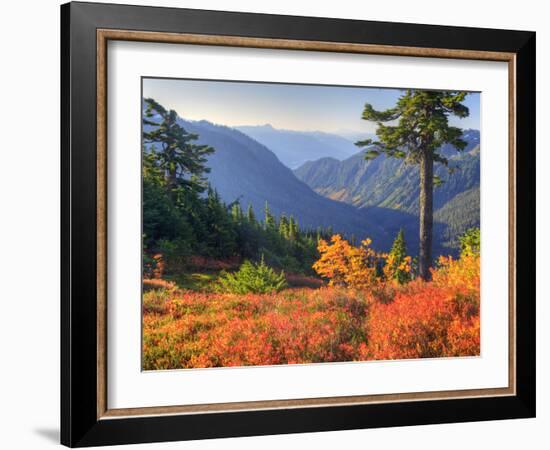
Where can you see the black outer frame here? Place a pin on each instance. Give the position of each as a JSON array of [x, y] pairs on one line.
[[79, 423]]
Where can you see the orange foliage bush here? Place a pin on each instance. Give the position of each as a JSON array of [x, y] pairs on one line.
[[395, 270], [346, 265], [458, 273], [186, 329]]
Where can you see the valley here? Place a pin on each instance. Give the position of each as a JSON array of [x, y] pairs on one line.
[[355, 197]]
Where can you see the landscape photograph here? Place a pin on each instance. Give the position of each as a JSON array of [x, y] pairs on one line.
[[300, 224]]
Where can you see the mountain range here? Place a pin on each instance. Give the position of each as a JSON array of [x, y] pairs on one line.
[[393, 184], [294, 148], [243, 169], [355, 197]]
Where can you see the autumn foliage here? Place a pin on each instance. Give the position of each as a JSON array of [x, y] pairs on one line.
[[348, 320], [346, 265], [429, 320], [194, 329]]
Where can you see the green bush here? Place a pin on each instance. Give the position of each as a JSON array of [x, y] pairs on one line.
[[470, 242], [257, 278]]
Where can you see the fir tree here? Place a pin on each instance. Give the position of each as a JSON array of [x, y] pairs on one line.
[[293, 229], [182, 161], [398, 264], [250, 216], [221, 236], [236, 213], [421, 130], [283, 226], [269, 220]]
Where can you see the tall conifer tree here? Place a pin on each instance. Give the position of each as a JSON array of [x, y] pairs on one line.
[[182, 160], [419, 127]]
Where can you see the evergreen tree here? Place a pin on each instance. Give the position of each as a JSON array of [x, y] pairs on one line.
[[421, 130], [398, 264], [151, 171], [180, 220], [180, 159], [318, 235], [283, 226], [250, 216], [269, 220], [161, 220], [236, 213], [293, 229], [221, 235]]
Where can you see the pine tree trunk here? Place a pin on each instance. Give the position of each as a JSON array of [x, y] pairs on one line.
[[426, 216], [172, 183]]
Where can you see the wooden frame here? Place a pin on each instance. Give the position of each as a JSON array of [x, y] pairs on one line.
[[86, 418]]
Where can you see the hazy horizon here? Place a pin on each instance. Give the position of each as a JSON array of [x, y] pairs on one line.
[[291, 107]]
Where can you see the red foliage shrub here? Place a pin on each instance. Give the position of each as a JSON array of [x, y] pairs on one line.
[[185, 329], [294, 326], [426, 320]]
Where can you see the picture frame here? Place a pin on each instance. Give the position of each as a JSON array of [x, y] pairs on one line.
[[86, 29]]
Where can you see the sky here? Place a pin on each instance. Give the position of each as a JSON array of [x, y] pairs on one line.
[[333, 109]]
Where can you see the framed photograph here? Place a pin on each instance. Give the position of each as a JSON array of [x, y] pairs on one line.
[[276, 224]]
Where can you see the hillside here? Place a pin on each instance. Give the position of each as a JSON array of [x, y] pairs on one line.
[[245, 170], [392, 187], [293, 148], [460, 213], [390, 183]]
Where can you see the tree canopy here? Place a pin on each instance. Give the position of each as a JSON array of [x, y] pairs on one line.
[[419, 125]]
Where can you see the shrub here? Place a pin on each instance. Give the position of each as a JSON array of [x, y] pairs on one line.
[[346, 265], [293, 326], [253, 325], [156, 301], [429, 320], [457, 274], [257, 278], [470, 242]]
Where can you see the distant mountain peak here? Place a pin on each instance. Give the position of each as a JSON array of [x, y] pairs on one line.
[[294, 147], [264, 127]]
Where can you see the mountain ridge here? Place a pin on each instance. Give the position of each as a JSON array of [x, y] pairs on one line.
[[244, 169], [391, 183], [294, 147]]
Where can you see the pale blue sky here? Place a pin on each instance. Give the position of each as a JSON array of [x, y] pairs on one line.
[[285, 106]]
